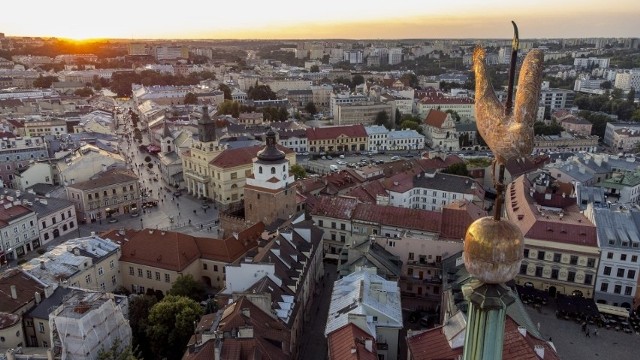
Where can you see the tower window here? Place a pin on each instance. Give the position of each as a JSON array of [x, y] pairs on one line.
[[260, 169], [284, 168], [273, 169]]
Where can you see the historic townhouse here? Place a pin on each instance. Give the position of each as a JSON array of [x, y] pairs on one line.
[[561, 252]]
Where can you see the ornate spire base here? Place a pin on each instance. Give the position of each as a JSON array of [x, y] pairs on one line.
[[484, 333]]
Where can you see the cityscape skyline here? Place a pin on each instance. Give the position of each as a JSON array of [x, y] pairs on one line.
[[285, 19]]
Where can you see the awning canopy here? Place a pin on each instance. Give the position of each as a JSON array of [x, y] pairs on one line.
[[613, 310]]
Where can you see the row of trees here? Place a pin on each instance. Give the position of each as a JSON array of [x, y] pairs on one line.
[[121, 81], [614, 103]]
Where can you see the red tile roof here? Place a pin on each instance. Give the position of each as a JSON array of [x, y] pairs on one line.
[[348, 343], [270, 338], [415, 219], [337, 207], [433, 345], [11, 213], [333, 132], [568, 226], [175, 251], [231, 158], [435, 118], [26, 287], [109, 177], [456, 218]]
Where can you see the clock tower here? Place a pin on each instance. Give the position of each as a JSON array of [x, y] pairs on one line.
[[268, 194]]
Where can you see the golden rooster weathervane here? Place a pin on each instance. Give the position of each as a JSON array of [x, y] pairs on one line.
[[508, 129]]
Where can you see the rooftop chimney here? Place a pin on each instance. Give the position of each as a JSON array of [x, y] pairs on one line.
[[368, 344], [522, 330], [14, 292], [246, 312], [42, 264], [38, 297], [539, 349]]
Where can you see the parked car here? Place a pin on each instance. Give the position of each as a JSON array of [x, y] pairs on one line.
[[395, 158], [112, 220], [177, 193]]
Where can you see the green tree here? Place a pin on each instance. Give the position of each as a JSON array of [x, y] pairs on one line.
[[606, 85], [186, 285], [398, 118], [139, 307], [311, 108], [261, 92], [409, 124], [190, 98], [298, 171], [409, 79], [314, 69], [457, 169], [356, 80], [84, 92], [454, 115], [631, 95], [117, 351], [226, 90], [382, 118], [540, 128], [44, 82], [170, 325]]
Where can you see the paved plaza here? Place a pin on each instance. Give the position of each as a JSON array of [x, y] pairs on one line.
[[572, 344]]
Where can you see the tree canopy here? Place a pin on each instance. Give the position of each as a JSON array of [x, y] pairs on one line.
[[261, 92], [190, 98], [171, 324], [457, 169], [298, 171], [186, 285], [540, 128], [382, 118], [311, 108], [44, 82], [117, 351]]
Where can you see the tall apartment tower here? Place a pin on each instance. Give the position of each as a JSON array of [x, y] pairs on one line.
[[267, 194]]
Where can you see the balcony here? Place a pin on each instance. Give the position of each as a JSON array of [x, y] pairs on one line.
[[424, 264], [428, 280], [196, 176]]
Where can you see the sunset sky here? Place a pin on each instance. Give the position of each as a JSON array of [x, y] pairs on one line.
[[355, 19]]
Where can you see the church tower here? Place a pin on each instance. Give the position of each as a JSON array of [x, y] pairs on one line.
[[166, 141], [267, 194], [206, 127]]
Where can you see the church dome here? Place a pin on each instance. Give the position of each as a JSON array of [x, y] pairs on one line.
[[270, 151]]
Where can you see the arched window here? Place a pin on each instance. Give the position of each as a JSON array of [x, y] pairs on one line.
[[260, 169], [284, 168], [273, 169]]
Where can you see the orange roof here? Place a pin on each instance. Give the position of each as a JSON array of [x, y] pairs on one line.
[[26, 287], [333, 132], [435, 118], [270, 335], [231, 158], [175, 251], [343, 341], [433, 345]]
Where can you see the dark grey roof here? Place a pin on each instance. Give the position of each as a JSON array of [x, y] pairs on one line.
[[52, 204], [42, 310], [43, 189], [590, 195], [616, 228], [466, 126], [445, 182]]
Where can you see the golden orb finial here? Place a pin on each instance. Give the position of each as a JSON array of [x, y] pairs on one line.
[[493, 250]]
